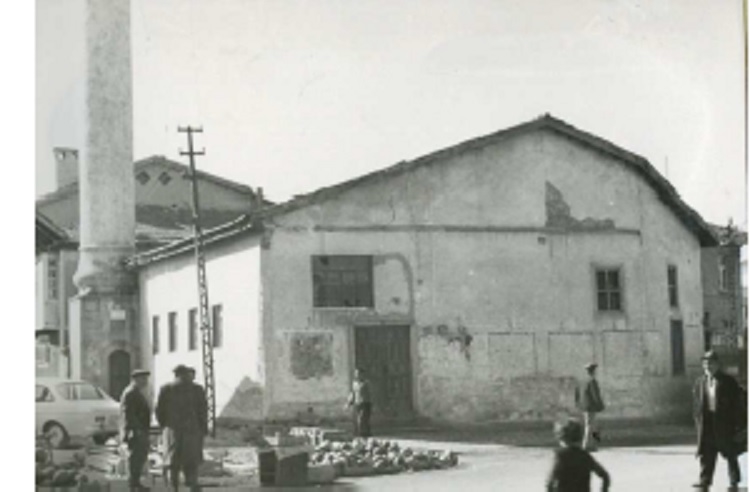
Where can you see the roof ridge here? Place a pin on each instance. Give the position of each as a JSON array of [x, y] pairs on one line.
[[664, 189], [545, 121], [161, 159], [157, 159]]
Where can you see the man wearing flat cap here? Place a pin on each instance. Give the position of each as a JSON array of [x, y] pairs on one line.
[[719, 411], [182, 417], [589, 401], [135, 420]]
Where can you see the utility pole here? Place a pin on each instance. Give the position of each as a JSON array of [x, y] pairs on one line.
[[206, 331]]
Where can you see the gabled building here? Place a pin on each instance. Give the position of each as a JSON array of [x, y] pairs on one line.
[[163, 208], [163, 215], [471, 284]]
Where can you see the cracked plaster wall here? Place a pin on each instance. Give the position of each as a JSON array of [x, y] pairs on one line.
[[495, 312]]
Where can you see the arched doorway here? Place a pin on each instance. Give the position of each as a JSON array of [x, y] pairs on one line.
[[119, 372]]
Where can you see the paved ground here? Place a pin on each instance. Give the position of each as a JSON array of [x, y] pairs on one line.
[[490, 467], [640, 458], [500, 468]]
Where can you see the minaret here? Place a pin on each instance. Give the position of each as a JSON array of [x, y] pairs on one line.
[[103, 324]]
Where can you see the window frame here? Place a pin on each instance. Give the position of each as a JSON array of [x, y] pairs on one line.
[[673, 290], [218, 328], [333, 294], [607, 269], [49, 397], [172, 335], [193, 329], [76, 393], [677, 357], [155, 334], [723, 273], [53, 277]]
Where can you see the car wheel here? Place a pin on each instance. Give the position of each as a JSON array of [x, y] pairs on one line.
[[56, 435]]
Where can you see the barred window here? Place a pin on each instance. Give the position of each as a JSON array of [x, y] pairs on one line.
[[608, 290], [52, 277], [342, 281]]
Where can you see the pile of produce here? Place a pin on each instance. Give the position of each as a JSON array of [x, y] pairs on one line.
[[63, 473], [374, 457]]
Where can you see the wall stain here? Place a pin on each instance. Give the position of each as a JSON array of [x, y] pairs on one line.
[[311, 355], [459, 335]]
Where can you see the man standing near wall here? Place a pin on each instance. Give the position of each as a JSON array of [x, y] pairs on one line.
[[589, 401], [135, 420], [183, 420], [200, 402], [719, 410], [361, 400]]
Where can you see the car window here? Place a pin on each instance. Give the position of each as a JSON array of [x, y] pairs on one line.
[[43, 394], [79, 391]]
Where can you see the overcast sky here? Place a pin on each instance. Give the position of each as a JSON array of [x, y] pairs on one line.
[[295, 95]]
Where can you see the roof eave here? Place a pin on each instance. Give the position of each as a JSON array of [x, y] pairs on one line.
[[689, 217], [241, 226]]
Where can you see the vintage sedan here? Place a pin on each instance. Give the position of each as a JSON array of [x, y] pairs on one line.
[[69, 410]]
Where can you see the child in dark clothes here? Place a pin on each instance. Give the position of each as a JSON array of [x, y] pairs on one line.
[[571, 471]]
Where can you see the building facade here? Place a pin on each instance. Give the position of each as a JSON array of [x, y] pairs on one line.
[[163, 215], [724, 299], [52, 261], [472, 284]]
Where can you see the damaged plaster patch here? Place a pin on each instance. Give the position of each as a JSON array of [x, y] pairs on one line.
[[559, 216], [312, 355], [459, 335]]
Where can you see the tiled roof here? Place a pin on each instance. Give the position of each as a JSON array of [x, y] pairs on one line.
[[666, 192], [664, 189], [230, 230], [47, 233], [158, 224], [141, 164]]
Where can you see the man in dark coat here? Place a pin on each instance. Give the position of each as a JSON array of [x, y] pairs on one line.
[[589, 401], [718, 408], [361, 400], [182, 416], [200, 396], [135, 420]]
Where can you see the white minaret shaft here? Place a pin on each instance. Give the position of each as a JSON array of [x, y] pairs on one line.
[[107, 185]]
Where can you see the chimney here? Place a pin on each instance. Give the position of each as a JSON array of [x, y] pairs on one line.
[[66, 166]]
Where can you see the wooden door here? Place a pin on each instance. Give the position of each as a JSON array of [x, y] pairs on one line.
[[383, 353], [678, 348], [119, 373]]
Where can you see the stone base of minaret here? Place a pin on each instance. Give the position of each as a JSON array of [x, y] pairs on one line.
[[105, 340]]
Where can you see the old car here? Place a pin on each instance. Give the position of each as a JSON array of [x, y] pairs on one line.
[[70, 410]]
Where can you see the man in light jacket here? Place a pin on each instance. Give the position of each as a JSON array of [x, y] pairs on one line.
[[361, 400], [589, 401]]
